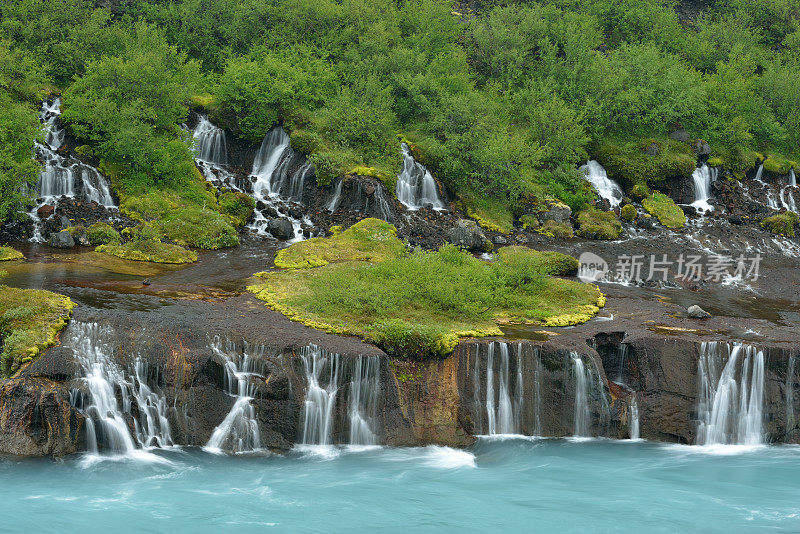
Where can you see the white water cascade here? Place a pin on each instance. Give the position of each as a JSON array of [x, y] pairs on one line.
[[606, 187], [634, 418], [731, 401], [108, 421], [416, 187], [703, 176], [582, 417], [504, 410], [209, 142], [337, 195], [323, 373], [239, 431]]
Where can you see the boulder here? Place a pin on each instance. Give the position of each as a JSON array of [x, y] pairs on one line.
[[555, 211], [46, 211], [281, 229], [80, 235], [701, 148], [680, 135], [652, 149], [500, 240], [467, 235], [696, 312], [62, 239], [735, 219]]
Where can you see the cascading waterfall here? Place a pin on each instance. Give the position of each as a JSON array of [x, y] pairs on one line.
[[731, 394], [323, 372], [107, 421], [607, 188], [363, 400], [633, 413], [503, 410], [416, 187], [49, 115], [787, 199], [239, 431], [790, 421], [209, 142], [582, 417], [337, 195], [759, 174], [792, 178], [377, 199], [703, 176]]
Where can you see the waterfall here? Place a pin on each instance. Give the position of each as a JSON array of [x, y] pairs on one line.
[[503, 417], [792, 178], [759, 174], [634, 418], [731, 394], [49, 115], [323, 372], [790, 421], [108, 419], [363, 400], [607, 188], [703, 176], [337, 195], [274, 152], [787, 199], [416, 187], [582, 415], [772, 201], [238, 432], [209, 142], [377, 199]]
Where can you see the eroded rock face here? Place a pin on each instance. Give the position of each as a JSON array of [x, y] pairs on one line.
[[468, 235]]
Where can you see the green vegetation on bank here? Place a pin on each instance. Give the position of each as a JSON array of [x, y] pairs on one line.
[[502, 103], [596, 224], [363, 281], [8, 254], [30, 320], [665, 210]]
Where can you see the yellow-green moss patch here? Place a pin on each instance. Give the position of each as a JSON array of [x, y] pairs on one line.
[[9, 254], [782, 224], [664, 208], [596, 224], [30, 320], [420, 303], [151, 250]]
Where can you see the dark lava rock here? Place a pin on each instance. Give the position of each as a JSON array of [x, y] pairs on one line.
[[556, 211], [61, 239], [647, 223], [468, 235], [46, 211], [281, 229], [735, 219], [500, 240], [701, 148], [680, 135], [696, 312], [689, 210], [81, 236]]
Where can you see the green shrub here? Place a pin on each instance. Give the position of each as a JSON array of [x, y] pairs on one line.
[[664, 208], [782, 224], [596, 224], [555, 229], [8, 253], [777, 165], [101, 233], [238, 206], [640, 191], [628, 213], [627, 161], [200, 228]]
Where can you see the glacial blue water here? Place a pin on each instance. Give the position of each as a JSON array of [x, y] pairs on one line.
[[521, 485]]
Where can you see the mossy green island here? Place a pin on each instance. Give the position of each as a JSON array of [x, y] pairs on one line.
[[9, 254], [363, 281]]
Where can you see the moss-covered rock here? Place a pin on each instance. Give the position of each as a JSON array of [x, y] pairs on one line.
[[628, 213], [665, 210], [30, 320], [151, 250], [557, 230], [101, 233], [8, 254], [778, 165], [238, 206], [638, 162], [596, 224], [782, 224], [640, 191], [715, 162]]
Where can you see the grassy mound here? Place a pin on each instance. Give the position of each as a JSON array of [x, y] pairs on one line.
[[238, 206], [596, 224], [629, 161], [364, 282], [628, 213], [151, 250], [101, 233], [664, 208], [782, 224], [30, 319], [8, 254]]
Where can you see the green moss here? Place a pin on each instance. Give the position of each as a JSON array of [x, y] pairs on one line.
[[782, 224], [664, 208], [627, 161], [529, 222], [204, 101], [151, 250], [8, 254], [596, 224], [557, 230], [30, 320], [490, 214], [84, 151], [628, 213], [238, 206], [778, 165], [369, 240], [715, 162], [640, 191], [418, 304], [101, 233]]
